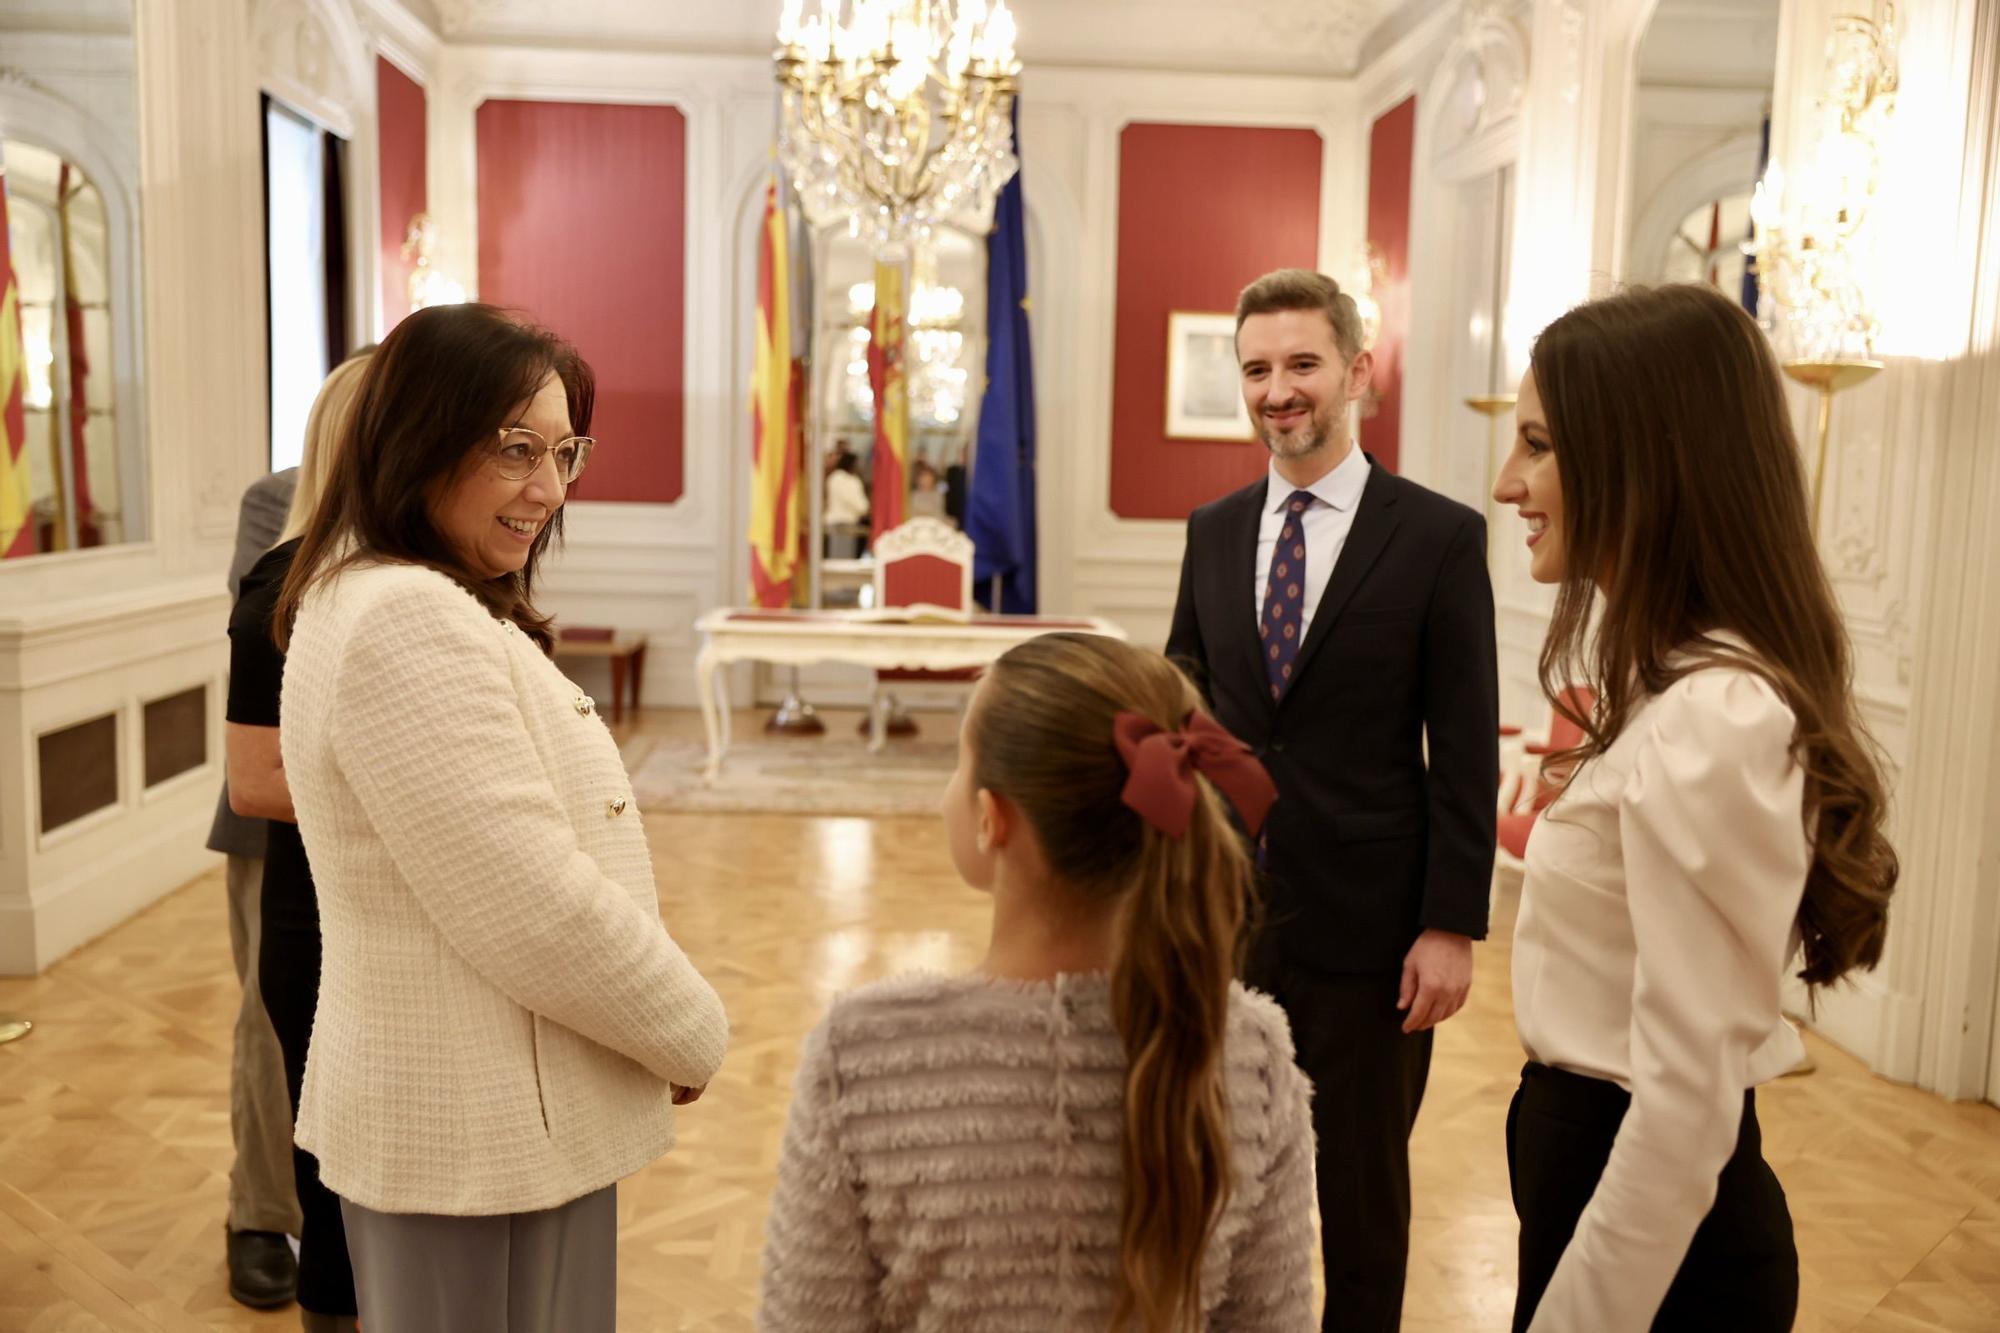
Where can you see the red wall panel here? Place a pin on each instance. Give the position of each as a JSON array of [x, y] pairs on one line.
[[583, 225], [1391, 143], [1203, 210], [401, 144]]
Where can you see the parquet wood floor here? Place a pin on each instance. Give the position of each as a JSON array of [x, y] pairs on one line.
[[114, 1123]]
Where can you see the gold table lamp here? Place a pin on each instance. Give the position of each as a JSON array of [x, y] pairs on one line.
[[1829, 377]]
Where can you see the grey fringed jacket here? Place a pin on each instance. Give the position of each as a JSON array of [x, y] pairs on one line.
[[952, 1163]]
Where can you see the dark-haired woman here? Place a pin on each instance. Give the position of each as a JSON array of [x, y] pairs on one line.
[[504, 1025], [1720, 825], [1099, 1128]]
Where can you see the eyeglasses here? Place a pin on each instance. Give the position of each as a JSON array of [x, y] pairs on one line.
[[518, 453]]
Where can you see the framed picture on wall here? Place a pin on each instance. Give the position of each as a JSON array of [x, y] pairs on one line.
[[1204, 390]]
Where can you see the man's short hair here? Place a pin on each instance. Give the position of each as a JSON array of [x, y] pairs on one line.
[[1303, 289]]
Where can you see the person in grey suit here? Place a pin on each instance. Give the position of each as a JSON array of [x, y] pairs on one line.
[[263, 1203]]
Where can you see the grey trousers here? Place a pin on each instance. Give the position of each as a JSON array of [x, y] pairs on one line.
[[262, 1196], [554, 1271]]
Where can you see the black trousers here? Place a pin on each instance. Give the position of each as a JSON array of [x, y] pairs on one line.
[[1368, 1081], [1741, 1271], [288, 971]]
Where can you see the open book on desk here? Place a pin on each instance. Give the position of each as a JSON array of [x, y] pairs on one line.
[[917, 613]]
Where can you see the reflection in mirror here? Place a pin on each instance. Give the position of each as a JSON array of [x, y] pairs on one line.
[[71, 463], [943, 358], [1700, 129]]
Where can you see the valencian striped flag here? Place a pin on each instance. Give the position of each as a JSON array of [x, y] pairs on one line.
[[889, 494], [1000, 504], [776, 430], [16, 533]]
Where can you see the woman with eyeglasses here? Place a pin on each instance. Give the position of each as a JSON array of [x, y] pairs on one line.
[[504, 1024]]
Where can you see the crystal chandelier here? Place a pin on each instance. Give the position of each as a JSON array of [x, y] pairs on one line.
[[897, 116], [1811, 245]]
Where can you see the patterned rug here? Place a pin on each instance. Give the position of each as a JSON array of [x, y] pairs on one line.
[[824, 775]]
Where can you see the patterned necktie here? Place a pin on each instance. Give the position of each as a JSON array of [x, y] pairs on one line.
[[1283, 624]]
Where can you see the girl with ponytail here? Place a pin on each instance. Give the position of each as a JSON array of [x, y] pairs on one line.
[[1098, 1128]]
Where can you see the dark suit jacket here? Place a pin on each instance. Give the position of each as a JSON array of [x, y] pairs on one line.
[[1368, 844]]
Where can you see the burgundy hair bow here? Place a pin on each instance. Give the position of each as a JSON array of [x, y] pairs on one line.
[[1162, 765]]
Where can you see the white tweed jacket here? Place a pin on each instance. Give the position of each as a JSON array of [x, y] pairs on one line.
[[501, 1010], [952, 1164]]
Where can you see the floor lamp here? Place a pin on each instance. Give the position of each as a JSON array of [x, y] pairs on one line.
[[1829, 377], [13, 1027], [1492, 406]]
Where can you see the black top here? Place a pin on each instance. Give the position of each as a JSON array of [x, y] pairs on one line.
[[1372, 838], [256, 671]]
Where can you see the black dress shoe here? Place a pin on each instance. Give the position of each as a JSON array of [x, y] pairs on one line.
[[262, 1272]]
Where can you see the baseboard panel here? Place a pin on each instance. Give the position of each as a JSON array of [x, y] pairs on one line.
[[130, 877]]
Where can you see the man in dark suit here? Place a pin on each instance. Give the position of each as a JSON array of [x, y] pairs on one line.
[[1340, 620]]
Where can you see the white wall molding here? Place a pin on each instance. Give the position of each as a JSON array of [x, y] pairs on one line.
[[65, 664], [646, 567], [1093, 561], [1715, 174], [400, 37], [317, 57], [1948, 950]]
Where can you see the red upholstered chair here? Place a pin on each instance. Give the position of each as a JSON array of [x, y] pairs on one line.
[[924, 563], [1526, 793]]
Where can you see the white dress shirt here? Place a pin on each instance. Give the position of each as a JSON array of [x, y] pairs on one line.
[[1658, 919], [1328, 520]]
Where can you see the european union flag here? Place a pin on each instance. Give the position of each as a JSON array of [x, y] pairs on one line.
[[1000, 510]]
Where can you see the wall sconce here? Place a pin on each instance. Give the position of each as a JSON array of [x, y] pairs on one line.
[[1810, 246], [428, 284], [1366, 278]]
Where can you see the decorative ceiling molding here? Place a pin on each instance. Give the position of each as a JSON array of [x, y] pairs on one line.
[[1277, 37], [1478, 91], [311, 53]]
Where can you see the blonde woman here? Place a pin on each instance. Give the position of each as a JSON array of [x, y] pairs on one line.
[[287, 961]]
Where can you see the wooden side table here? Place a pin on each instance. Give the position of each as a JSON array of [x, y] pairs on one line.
[[627, 653]]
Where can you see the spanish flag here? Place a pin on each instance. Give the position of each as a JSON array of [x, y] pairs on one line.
[[776, 435], [889, 494], [16, 533]]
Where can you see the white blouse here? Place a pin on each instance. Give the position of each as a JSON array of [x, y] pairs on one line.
[[1658, 919]]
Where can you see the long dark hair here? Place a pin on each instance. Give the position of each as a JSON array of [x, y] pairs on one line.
[[441, 385], [1684, 497], [1041, 736]]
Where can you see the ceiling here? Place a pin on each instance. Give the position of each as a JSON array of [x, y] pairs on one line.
[[1711, 44], [1322, 38], [66, 16]]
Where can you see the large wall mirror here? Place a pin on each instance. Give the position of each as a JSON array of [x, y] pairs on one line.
[[1701, 112], [944, 365], [73, 461]]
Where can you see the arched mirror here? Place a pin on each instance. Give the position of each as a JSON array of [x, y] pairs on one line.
[[72, 461], [943, 365], [1701, 112]]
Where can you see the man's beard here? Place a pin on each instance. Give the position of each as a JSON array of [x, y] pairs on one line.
[[1300, 441]]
